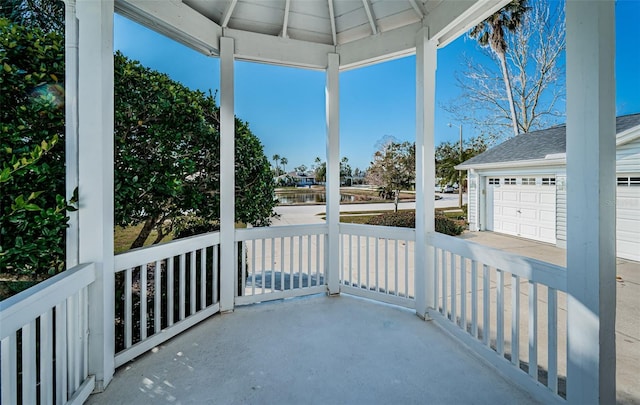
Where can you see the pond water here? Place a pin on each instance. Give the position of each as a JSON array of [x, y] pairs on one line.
[[308, 198]]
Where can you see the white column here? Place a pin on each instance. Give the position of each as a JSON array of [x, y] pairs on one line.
[[426, 62], [71, 126], [228, 259], [332, 92], [95, 170], [591, 202]]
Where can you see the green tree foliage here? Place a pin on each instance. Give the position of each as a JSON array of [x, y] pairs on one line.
[[45, 15], [33, 209], [448, 156], [393, 169], [167, 155]]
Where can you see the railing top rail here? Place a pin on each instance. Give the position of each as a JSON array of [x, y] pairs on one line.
[[280, 231], [18, 310], [386, 232], [537, 271], [150, 254]]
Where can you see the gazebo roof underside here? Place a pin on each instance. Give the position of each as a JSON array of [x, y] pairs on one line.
[[301, 32]]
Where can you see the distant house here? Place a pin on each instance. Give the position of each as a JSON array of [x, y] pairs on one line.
[[300, 179], [519, 187]]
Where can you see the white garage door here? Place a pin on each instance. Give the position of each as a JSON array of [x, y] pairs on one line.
[[523, 206], [628, 217]]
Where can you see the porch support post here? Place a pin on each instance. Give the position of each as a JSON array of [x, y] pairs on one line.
[[228, 259], [95, 177], [591, 202], [71, 126], [332, 91], [426, 53]]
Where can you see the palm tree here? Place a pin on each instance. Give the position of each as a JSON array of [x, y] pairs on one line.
[[276, 159], [283, 162], [491, 31]]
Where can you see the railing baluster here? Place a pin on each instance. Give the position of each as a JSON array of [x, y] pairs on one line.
[[8, 376], [214, 273], [157, 297], [143, 302], [76, 340], [128, 309], [309, 268], [396, 269], [182, 286], [350, 259], [377, 260], [61, 353], [367, 264], [486, 308], [318, 251], [386, 266], [463, 293], [291, 261], [263, 276], [253, 268], [533, 330], [192, 282], [474, 299], [515, 320], [170, 290], [445, 271], [500, 313], [46, 358], [203, 278], [406, 269], [358, 261], [272, 266], [552, 328], [452, 265], [299, 261], [436, 279], [282, 264], [85, 332], [29, 363]]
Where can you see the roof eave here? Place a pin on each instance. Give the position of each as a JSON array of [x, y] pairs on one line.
[[557, 159]]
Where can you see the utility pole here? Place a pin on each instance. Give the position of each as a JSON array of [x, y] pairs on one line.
[[459, 171]]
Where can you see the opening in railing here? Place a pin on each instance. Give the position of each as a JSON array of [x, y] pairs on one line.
[[280, 262], [165, 288], [378, 262], [44, 341], [512, 305]]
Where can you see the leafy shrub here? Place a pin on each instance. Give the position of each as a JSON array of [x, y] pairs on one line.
[[403, 219], [33, 209], [407, 219], [191, 225]]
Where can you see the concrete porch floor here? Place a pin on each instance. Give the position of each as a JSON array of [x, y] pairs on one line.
[[310, 350]]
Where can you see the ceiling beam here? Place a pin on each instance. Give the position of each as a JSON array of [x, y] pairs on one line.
[[227, 13], [285, 23], [332, 19], [450, 19], [370, 16], [270, 49], [417, 8], [387, 45], [176, 21]]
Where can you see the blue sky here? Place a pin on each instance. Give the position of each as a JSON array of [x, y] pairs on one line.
[[285, 106]]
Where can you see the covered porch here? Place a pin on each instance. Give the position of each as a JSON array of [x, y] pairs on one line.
[[64, 330]]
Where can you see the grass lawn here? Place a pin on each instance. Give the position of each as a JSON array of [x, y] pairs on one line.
[[124, 237], [362, 217]]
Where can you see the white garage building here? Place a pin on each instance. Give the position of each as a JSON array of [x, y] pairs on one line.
[[519, 187]]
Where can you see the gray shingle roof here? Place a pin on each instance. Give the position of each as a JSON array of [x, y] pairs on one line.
[[538, 144]]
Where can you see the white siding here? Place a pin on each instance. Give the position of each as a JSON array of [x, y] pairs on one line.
[[628, 157], [472, 201], [561, 211]]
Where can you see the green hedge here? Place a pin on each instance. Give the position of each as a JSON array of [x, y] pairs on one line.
[[407, 219]]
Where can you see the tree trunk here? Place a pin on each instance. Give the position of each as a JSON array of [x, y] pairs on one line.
[[144, 233], [396, 200], [507, 85]]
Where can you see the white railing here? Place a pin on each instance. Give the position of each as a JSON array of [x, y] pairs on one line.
[[44, 347], [280, 262], [163, 290], [504, 306], [377, 262]]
